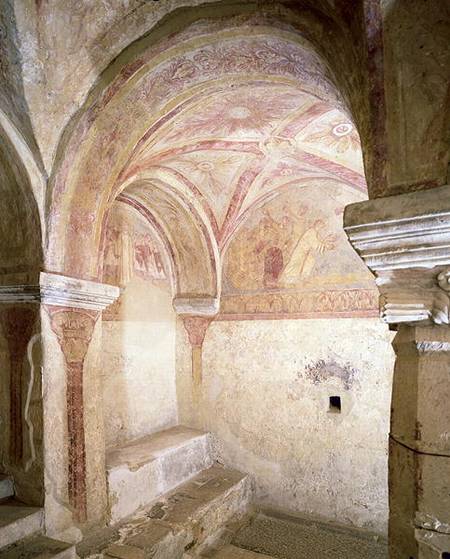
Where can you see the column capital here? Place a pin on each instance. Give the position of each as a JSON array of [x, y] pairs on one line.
[[62, 291], [405, 241]]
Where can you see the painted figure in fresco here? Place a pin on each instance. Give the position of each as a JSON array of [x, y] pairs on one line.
[[273, 266], [309, 246], [118, 263], [147, 260]]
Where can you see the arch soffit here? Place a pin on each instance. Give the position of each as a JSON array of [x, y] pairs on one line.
[[23, 227], [16, 145], [188, 237]]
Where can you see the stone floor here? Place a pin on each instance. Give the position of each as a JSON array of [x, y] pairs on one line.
[[283, 537]]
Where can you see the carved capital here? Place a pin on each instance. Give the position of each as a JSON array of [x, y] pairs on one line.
[[412, 298], [405, 241]]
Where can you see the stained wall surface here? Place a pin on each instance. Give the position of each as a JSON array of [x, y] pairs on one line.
[[138, 355], [21, 422], [265, 397]]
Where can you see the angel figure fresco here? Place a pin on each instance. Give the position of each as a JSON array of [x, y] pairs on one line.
[[303, 259]]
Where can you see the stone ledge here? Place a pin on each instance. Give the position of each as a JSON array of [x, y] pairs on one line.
[[63, 291]]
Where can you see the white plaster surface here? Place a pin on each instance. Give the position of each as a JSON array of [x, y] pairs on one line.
[[138, 365], [270, 416]]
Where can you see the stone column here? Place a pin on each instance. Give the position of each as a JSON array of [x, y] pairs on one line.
[[70, 312], [74, 329], [405, 241]]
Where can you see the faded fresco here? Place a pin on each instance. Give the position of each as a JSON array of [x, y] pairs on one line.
[[21, 251], [262, 173], [132, 249], [245, 179], [292, 257], [272, 168]]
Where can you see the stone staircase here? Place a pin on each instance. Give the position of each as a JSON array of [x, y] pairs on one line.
[[21, 529], [142, 470], [169, 500], [167, 497]]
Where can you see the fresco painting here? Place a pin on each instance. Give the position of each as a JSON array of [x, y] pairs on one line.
[[334, 136], [291, 256], [273, 184], [132, 249]]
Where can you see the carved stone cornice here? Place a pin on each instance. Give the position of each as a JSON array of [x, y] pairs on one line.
[[62, 291], [405, 241], [197, 306]]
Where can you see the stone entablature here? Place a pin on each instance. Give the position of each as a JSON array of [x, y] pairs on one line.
[[63, 291], [405, 241]]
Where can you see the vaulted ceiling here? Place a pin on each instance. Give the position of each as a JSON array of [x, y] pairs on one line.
[[235, 149]]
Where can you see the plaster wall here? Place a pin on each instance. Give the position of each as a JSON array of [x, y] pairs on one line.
[[265, 398], [138, 364]]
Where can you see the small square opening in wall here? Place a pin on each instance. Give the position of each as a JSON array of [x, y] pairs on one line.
[[446, 555], [335, 404]]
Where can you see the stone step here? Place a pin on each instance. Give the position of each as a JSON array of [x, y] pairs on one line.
[[232, 552], [142, 470], [39, 547], [432, 545], [18, 521], [6, 487], [185, 518]]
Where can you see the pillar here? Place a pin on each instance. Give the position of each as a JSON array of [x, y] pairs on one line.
[[405, 241], [74, 328], [74, 449]]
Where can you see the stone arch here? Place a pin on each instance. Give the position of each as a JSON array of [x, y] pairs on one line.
[[22, 186], [192, 250], [147, 81]]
